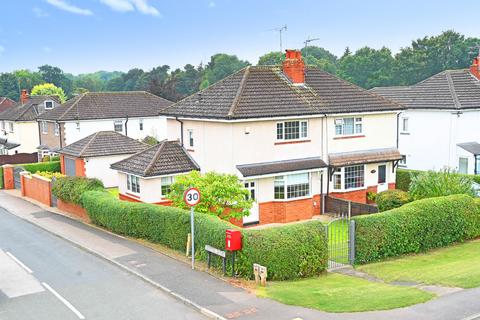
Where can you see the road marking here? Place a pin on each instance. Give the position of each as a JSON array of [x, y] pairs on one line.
[[19, 262], [473, 317], [64, 301]]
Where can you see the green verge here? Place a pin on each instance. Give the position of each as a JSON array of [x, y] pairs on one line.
[[340, 293], [456, 266]]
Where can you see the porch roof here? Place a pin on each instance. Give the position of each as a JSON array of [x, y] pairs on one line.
[[364, 156], [472, 147], [264, 168]]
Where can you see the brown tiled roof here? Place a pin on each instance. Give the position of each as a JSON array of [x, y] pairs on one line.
[[108, 105], [28, 111], [451, 89], [472, 147], [263, 168], [167, 157], [103, 143], [6, 103], [264, 91], [363, 156]]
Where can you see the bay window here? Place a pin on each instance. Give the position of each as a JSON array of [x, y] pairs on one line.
[[348, 126], [133, 183], [292, 130], [292, 186], [352, 177]]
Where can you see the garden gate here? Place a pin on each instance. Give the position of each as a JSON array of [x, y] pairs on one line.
[[340, 234], [17, 177]]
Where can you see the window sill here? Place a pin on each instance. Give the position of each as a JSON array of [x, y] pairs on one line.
[[291, 142], [292, 199], [348, 190], [349, 137], [405, 133], [190, 150]]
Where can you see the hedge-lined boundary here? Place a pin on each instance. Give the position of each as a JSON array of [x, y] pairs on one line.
[[289, 252], [404, 177], [53, 166], [1, 177], [415, 227], [70, 189]]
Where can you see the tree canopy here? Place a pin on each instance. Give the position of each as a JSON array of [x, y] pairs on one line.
[[49, 89]]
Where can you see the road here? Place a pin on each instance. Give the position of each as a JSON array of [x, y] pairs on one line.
[[43, 277]]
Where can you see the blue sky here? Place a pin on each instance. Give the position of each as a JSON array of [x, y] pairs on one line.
[[89, 35]]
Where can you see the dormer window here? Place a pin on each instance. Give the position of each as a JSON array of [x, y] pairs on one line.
[[48, 105]]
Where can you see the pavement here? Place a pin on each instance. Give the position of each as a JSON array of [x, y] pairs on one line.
[[201, 291]]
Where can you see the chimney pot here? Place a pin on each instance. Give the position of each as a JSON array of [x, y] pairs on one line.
[[24, 96], [294, 66], [475, 67]]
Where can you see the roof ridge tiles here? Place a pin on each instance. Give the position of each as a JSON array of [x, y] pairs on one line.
[[241, 86], [94, 136], [451, 87], [155, 157]]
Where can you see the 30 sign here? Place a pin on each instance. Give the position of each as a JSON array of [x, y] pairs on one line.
[[192, 197]]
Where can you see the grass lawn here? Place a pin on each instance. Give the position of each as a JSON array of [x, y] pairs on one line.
[[340, 293], [113, 191], [455, 266]]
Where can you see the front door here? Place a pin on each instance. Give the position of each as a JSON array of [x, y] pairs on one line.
[[382, 178], [251, 186]]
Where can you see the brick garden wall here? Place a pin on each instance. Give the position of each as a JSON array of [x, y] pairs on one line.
[[289, 211], [73, 209], [37, 188]]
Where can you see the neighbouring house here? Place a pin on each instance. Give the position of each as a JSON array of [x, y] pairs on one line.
[[135, 114], [440, 127], [6, 103], [292, 134], [18, 124], [91, 156], [148, 175]]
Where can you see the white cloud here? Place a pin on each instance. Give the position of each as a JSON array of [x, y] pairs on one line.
[[212, 4], [63, 5], [40, 13], [131, 5]]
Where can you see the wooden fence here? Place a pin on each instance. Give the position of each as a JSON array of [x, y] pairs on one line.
[[19, 158], [346, 207]]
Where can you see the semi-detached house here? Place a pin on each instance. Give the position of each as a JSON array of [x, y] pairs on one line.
[[291, 133], [135, 114]]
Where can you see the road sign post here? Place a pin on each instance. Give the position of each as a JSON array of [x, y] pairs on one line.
[[192, 198]]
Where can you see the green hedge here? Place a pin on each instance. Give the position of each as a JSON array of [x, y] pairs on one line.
[[289, 252], [391, 199], [415, 227], [1, 177], [70, 189], [53, 166], [403, 178]]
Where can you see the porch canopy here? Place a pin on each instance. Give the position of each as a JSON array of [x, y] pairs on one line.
[[471, 147], [8, 144], [266, 168], [364, 156]]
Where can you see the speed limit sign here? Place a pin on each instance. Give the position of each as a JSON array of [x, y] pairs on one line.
[[192, 197]]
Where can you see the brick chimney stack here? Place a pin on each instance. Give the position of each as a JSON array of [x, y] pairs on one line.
[[475, 67], [294, 67], [24, 96]]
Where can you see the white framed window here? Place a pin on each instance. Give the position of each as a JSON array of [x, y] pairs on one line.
[[403, 162], [404, 125], [133, 183], [166, 185], [348, 126], [191, 141], [118, 126], [463, 165], [2, 125], [292, 186], [10, 127], [57, 129], [48, 104], [292, 130], [44, 127], [351, 177], [77, 125], [3, 151], [140, 124]]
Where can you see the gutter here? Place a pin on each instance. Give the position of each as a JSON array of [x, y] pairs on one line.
[[181, 130]]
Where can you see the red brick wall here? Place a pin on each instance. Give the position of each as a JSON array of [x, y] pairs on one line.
[[73, 209], [79, 167], [36, 188], [289, 211], [8, 182], [62, 164], [358, 195]]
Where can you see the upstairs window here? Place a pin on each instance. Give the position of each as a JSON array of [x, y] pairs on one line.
[[57, 129], [348, 126], [404, 125], [190, 138], [292, 186], [166, 185], [118, 126], [48, 105], [140, 124], [133, 183], [10, 127], [2, 125], [292, 130], [44, 127]]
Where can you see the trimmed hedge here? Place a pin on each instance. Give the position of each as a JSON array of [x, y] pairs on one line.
[[53, 166], [416, 226], [289, 252], [391, 199], [1, 177], [404, 177], [70, 189]]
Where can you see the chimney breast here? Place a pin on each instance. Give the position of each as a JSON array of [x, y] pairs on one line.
[[294, 67], [24, 96], [475, 67]]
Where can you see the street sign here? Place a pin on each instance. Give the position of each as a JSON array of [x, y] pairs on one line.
[[191, 197]]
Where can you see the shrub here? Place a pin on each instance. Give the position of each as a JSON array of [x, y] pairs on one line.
[[53, 166], [46, 159], [371, 196], [70, 189], [50, 175], [391, 199], [55, 158], [289, 252], [430, 184], [404, 177], [1, 177], [415, 227]]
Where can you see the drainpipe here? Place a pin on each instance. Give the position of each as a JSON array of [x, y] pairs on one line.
[[126, 127], [59, 133], [181, 130], [326, 151], [398, 128]]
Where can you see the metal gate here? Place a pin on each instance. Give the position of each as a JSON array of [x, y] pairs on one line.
[[16, 177], [341, 242], [70, 167]]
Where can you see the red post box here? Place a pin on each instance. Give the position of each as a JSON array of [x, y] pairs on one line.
[[233, 240]]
